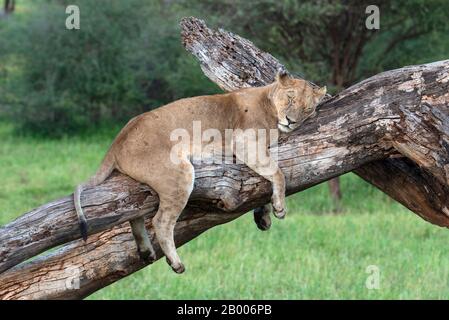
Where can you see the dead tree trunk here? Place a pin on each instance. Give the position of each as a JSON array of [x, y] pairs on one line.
[[402, 112]]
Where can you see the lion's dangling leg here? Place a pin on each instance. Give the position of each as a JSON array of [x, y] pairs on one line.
[[173, 182], [173, 198]]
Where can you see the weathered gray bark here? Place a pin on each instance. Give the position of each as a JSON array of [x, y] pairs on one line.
[[403, 111], [416, 189]]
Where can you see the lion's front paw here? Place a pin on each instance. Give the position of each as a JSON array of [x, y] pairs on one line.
[[278, 206], [280, 214]]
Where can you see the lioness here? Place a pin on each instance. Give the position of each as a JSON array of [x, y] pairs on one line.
[[142, 151]]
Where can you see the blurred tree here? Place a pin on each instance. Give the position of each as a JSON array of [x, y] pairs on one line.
[[9, 6], [328, 40]]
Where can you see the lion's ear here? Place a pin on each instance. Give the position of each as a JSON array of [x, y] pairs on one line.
[[321, 91], [319, 94], [282, 77]]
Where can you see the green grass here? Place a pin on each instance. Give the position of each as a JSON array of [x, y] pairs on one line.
[[312, 254]]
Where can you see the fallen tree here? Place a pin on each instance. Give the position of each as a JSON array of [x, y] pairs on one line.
[[391, 129]]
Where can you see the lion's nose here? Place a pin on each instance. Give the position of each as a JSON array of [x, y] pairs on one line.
[[290, 121]]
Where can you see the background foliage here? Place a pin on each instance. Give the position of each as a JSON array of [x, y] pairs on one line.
[[127, 57]]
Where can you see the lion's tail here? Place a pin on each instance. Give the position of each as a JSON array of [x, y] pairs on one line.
[[106, 167]]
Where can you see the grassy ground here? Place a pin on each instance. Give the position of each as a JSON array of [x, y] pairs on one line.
[[312, 254]]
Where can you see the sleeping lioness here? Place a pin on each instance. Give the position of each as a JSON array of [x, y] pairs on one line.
[[143, 147]]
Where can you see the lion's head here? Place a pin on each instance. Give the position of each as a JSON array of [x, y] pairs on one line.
[[295, 100]]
